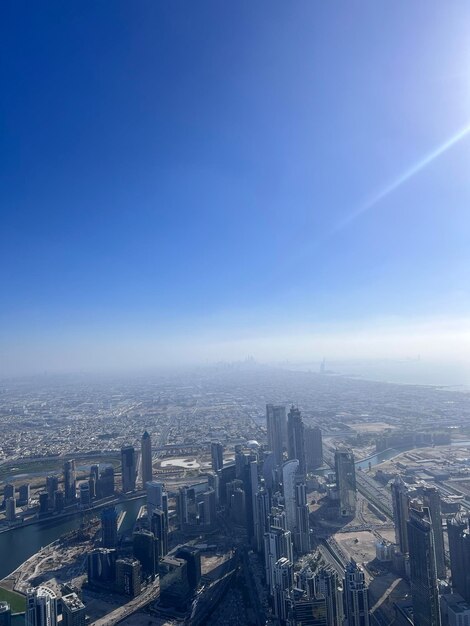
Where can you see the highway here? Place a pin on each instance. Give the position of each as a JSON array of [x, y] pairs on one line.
[[149, 594]]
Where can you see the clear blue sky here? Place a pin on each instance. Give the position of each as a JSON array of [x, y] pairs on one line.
[[172, 171]]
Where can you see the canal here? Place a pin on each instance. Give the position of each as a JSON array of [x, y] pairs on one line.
[[19, 544]]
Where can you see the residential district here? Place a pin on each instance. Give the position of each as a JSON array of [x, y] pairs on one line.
[[236, 494]]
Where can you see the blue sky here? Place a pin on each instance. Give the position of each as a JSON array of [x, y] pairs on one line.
[[181, 179]]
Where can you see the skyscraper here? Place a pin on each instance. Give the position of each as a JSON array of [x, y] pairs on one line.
[[283, 583], [159, 527], [73, 610], [400, 504], [296, 439], [356, 598], [346, 481], [302, 529], [277, 544], [424, 589], [289, 481], [145, 550], [313, 447], [109, 528], [41, 607], [432, 500], [459, 550], [276, 425], [327, 583], [129, 468], [146, 455], [52, 485], [217, 455], [128, 576], [157, 498], [70, 482]]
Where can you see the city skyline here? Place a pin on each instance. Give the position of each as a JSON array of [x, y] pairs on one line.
[[202, 183]]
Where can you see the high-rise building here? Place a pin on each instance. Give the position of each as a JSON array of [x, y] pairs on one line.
[[43, 503], [356, 598], [146, 454], [263, 507], [5, 614], [10, 509], [305, 610], [24, 494], [128, 577], [328, 584], [41, 607], [296, 440], [346, 481], [101, 566], [459, 551], [85, 496], [105, 483], [289, 480], [313, 447], [145, 550], [73, 610], [192, 556], [129, 468], [8, 492], [302, 528], [432, 500], [277, 544], [283, 583], [59, 500], [157, 498], [109, 527], [159, 527], [400, 504], [52, 485], [70, 482], [217, 455], [276, 426], [424, 587]]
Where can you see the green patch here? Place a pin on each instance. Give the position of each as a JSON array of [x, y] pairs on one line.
[[16, 601]]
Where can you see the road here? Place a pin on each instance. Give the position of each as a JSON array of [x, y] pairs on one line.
[[149, 594]]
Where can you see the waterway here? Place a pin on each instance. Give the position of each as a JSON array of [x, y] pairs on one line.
[[19, 544]]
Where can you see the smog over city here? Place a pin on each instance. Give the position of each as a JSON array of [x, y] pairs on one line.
[[235, 313]]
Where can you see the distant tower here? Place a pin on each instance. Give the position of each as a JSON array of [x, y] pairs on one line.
[[424, 588], [10, 508], [217, 455], [432, 500], [52, 485], [296, 440], [109, 527], [346, 481], [129, 469], [70, 482], [276, 425], [146, 451], [313, 448], [356, 598], [400, 504], [41, 607], [157, 498]]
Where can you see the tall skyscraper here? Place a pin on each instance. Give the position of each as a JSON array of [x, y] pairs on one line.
[[302, 529], [283, 583], [346, 481], [73, 610], [432, 500], [109, 527], [217, 455], [146, 455], [400, 504], [424, 588], [129, 468], [296, 440], [313, 447], [157, 498], [356, 598], [70, 482], [128, 576], [277, 544], [41, 607], [327, 583], [289, 481], [276, 425], [10, 509], [145, 550], [459, 551], [159, 527], [52, 485]]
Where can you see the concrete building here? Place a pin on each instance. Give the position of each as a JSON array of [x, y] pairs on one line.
[[289, 481], [346, 481], [276, 427], [432, 500], [128, 577], [41, 607], [296, 440], [356, 596], [129, 468], [145, 549], [313, 447], [400, 504], [73, 610], [10, 509], [146, 456], [217, 455], [109, 527], [70, 482]]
